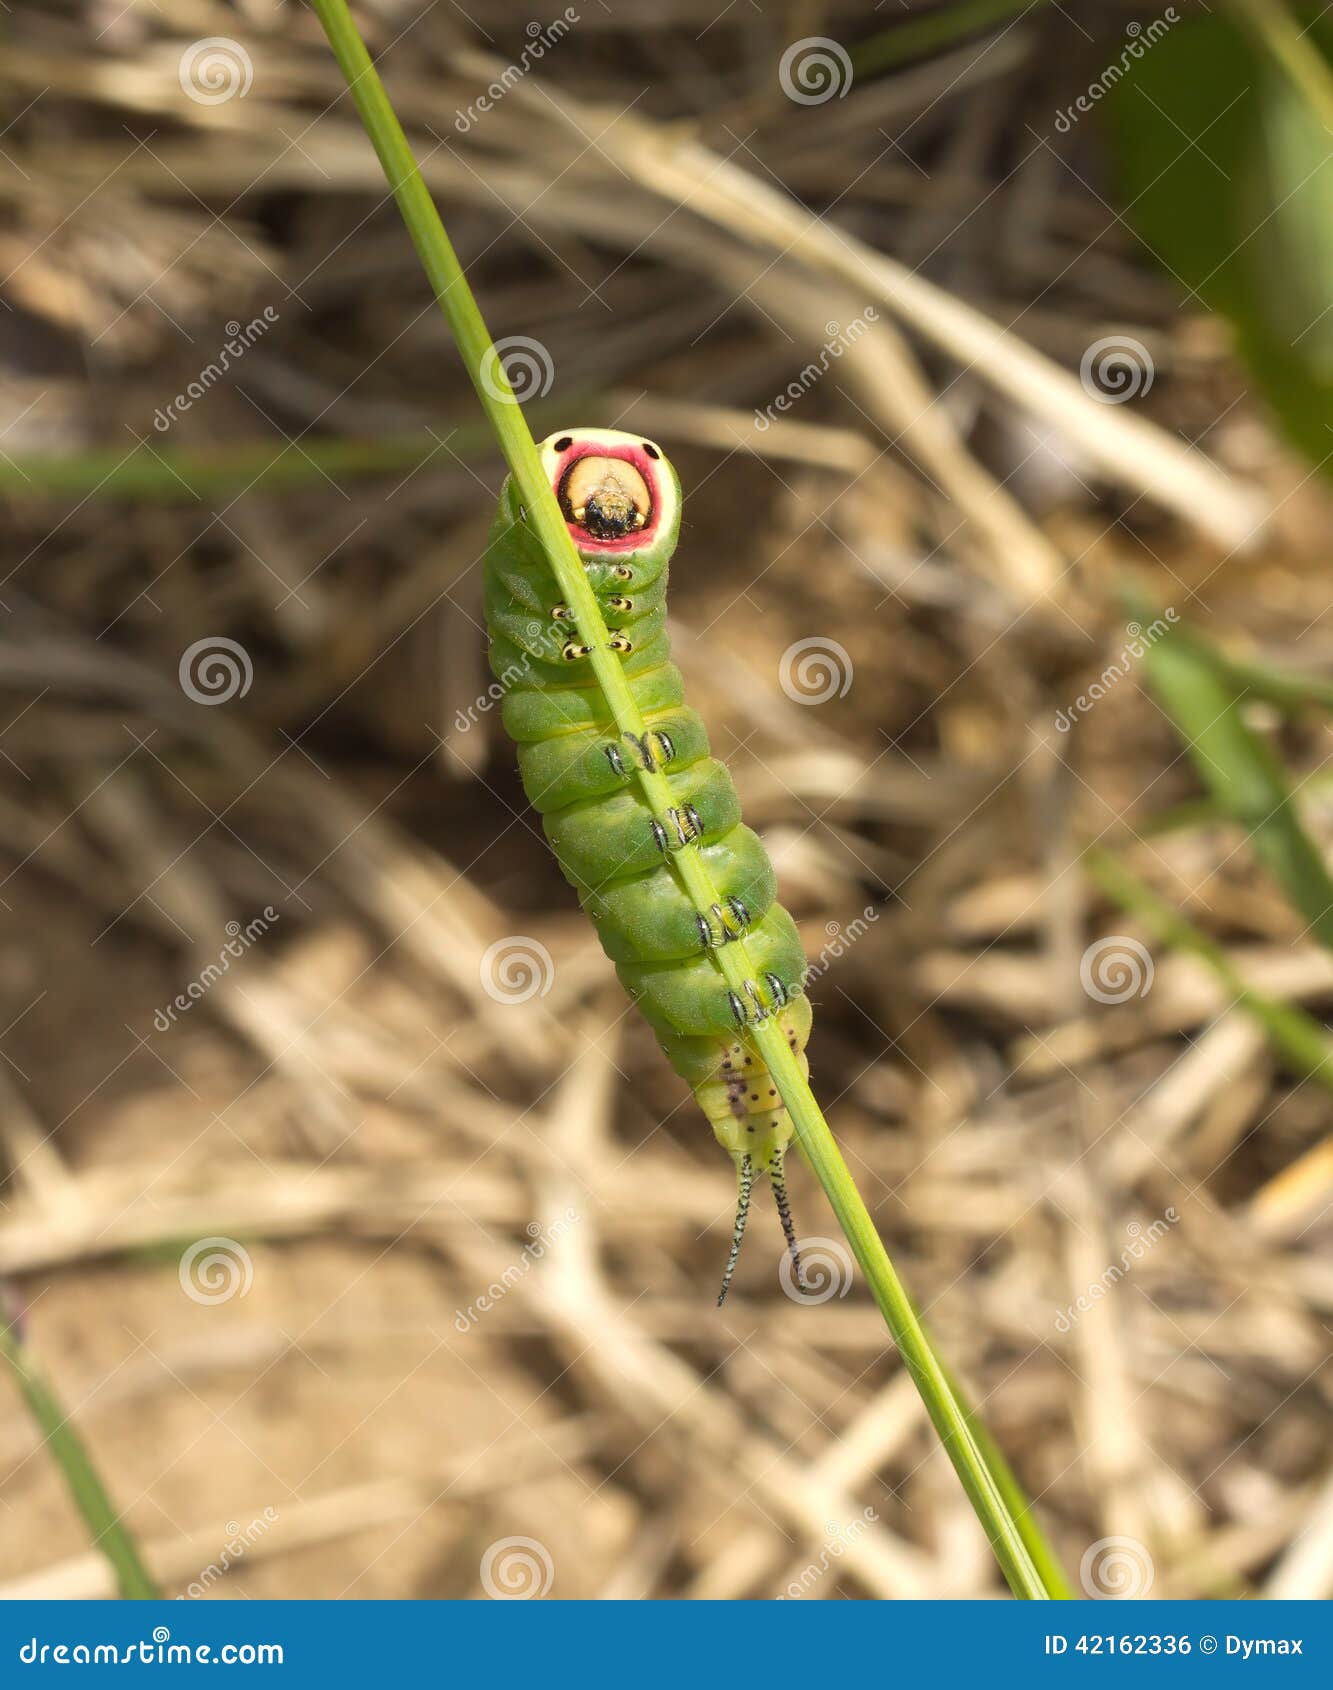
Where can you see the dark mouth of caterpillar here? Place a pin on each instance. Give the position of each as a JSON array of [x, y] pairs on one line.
[[609, 515], [606, 496]]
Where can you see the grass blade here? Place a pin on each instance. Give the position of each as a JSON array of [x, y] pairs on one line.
[[70, 1454], [1298, 1038], [935, 31], [1293, 47], [178, 474], [1203, 696]]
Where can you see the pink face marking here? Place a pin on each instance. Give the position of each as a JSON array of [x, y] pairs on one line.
[[608, 508]]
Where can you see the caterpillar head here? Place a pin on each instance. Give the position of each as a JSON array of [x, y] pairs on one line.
[[617, 491]]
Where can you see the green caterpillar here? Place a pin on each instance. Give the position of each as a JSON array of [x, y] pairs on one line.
[[621, 500]]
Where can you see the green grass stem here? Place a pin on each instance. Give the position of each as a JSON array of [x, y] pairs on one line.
[[162, 473], [70, 1454], [1299, 1040], [1293, 46], [935, 32], [1203, 696]]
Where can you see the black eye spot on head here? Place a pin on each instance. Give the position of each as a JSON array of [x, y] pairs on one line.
[[651, 450], [564, 443]]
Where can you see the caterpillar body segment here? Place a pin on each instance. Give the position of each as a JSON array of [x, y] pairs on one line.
[[617, 845], [568, 766], [536, 713], [683, 997], [599, 839], [650, 918]]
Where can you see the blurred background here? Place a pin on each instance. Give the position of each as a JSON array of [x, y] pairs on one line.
[[366, 1237]]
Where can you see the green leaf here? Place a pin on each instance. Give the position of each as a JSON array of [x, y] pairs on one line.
[[69, 1452], [1203, 696], [1227, 170]]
